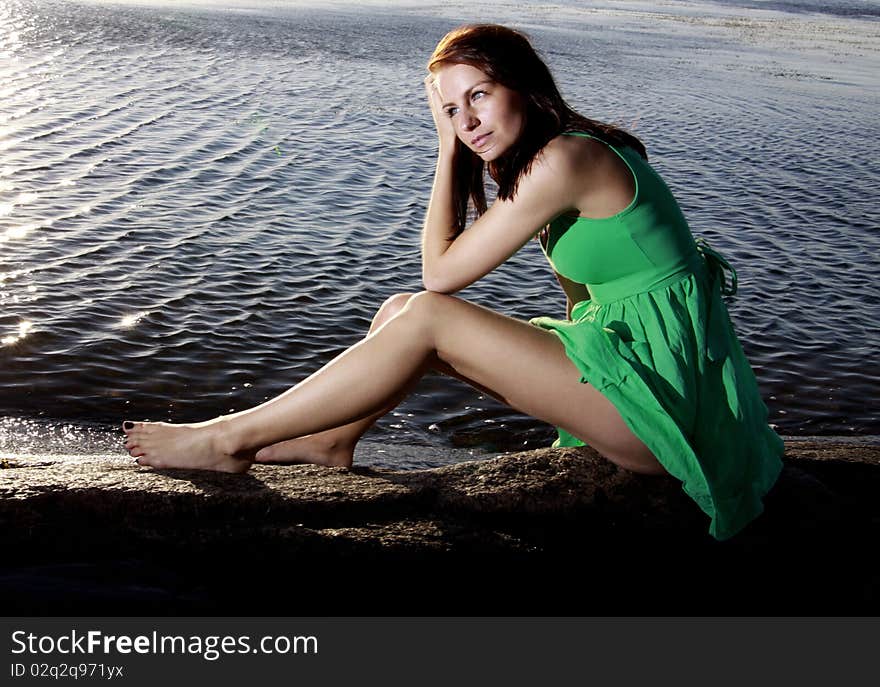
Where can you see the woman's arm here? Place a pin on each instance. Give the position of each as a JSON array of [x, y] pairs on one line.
[[501, 231], [451, 263], [438, 232]]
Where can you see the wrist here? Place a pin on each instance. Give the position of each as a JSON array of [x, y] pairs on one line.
[[447, 149]]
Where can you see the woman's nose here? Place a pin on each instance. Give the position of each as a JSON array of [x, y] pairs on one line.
[[469, 120]]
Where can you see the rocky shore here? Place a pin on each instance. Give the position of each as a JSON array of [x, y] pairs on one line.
[[546, 532]]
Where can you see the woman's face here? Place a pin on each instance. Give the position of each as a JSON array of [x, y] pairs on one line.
[[487, 117]]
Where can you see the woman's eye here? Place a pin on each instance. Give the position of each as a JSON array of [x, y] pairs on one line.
[[451, 111], [476, 95]]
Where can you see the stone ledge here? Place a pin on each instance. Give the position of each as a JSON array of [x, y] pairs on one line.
[[570, 531]]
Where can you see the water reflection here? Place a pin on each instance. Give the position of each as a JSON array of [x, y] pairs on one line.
[[24, 327], [131, 320]]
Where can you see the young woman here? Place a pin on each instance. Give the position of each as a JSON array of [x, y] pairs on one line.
[[646, 369]]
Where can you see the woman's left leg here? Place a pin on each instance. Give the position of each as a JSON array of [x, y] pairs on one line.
[[522, 364], [336, 447], [333, 447]]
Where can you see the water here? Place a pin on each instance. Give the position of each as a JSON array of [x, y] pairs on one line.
[[203, 202], [840, 8]]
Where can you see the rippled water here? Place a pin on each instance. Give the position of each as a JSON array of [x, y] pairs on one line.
[[201, 203]]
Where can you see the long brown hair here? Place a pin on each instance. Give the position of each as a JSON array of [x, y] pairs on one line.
[[507, 57]]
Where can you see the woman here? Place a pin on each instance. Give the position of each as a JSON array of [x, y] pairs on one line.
[[646, 369]]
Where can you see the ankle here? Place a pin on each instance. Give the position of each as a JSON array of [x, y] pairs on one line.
[[339, 444], [227, 439]]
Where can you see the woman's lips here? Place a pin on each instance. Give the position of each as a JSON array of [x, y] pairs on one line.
[[477, 141]]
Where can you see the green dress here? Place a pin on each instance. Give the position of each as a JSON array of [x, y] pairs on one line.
[[656, 339]]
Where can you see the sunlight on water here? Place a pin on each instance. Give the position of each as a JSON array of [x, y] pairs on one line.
[[23, 328], [20, 436], [131, 320], [22, 199], [18, 232], [23, 230]]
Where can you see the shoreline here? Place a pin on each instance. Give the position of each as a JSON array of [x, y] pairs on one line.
[[372, 454], [34, 440], [23, 438]]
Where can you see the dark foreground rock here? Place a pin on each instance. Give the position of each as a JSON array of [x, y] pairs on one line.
[[548, 532]]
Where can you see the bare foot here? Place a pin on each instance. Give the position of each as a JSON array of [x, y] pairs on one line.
[[201, 446], [315, 448]]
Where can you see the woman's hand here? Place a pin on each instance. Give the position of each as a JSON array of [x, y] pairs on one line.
[[445, 128]]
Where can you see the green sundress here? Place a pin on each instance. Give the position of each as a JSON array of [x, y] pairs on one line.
[[656, 339]]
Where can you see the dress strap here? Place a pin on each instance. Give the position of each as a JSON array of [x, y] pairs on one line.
[[719, 269]]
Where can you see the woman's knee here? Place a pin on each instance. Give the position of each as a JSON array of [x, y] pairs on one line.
[[428, 313], [429, 304], [422, 310], [390, 308]]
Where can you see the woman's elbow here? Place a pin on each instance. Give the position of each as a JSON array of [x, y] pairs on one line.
[[437, 283]]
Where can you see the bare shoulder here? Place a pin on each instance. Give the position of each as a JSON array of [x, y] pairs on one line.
[[566, 171], [599, 182], [555, 175], [571, 155]]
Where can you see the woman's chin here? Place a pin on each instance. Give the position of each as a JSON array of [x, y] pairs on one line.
[[490, 154]]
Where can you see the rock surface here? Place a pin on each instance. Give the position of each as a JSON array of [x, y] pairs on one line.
[[549, 532]]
